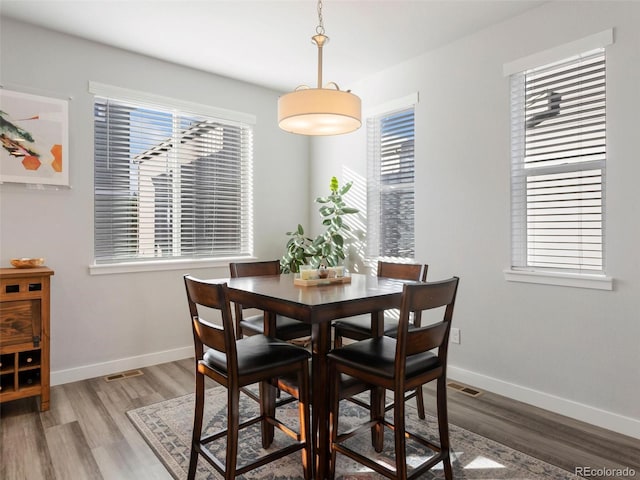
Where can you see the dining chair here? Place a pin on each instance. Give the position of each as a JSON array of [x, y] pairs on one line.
[[359, 327], [234, 364], [286, 328], [399, 364]]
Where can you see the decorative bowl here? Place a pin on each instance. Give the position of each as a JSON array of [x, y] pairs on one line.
[[27, 262]]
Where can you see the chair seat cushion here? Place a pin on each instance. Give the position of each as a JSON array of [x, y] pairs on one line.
[[286, 328], [361, 326], [257, 353], [377, 356]]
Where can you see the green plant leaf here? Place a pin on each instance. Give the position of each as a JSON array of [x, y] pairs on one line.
[[345, 188], [326, 211], [349, 210]]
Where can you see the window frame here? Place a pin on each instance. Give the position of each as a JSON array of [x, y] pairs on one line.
[[144, 99], [374, 187], [584, 279]]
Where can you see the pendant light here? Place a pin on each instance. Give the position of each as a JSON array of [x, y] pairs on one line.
[[322, 110]]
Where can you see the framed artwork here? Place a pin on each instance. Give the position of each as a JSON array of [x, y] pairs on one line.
[[34, 139]]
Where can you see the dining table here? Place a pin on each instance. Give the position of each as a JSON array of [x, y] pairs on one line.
[[318, 306]]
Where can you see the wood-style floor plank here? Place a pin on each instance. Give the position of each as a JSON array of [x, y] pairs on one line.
[[87, 435], [24, 450], [554, 438], [71, 455]]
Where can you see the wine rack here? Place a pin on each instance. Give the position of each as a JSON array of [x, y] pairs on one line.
[[24, 334]]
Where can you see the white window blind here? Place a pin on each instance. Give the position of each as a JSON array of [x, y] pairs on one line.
[[390, 186], [558, 165], [169, 184]]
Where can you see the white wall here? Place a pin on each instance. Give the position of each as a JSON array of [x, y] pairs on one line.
[[572, 350], [108, 323]]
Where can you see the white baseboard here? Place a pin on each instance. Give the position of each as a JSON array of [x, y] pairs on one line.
[[585, 413], [123, 364]]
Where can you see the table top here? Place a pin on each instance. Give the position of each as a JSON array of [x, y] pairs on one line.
[[277, 293]]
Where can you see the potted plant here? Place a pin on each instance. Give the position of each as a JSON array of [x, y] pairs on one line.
[[328, 247]]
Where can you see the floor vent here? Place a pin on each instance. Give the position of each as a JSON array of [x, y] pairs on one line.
[[472, 392], [120, 376]]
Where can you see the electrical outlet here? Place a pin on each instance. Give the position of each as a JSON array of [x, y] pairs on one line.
[[455, 335]]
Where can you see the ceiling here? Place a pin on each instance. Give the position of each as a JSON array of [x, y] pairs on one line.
[[267, 42]]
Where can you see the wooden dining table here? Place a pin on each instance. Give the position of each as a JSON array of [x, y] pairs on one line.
[[318, 306]]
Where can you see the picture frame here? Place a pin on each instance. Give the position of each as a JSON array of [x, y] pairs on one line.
[[34, 139]]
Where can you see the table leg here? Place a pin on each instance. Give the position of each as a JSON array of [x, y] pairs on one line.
[[377, 399], [267, 391], [321, 344]]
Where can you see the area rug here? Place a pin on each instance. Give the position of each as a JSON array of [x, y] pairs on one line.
[[167, 427]]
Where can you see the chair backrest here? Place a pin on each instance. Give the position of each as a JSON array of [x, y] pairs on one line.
[[212, 296], [251, 269], [419, 298], [403, 271]]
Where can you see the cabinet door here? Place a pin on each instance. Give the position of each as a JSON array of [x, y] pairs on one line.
[[20, 322]]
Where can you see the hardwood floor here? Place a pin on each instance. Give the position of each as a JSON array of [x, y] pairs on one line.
[[556, 439], [87, 435]]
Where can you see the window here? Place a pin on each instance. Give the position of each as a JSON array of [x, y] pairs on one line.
[[390, 185], [169, 184], [558, 165]]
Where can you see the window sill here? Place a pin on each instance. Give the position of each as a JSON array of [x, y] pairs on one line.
[[598, 282], [163, 265]]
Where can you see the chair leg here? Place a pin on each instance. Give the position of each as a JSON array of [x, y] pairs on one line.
[[304, 413], [337, 340], [443, 426], [420, 402], [334, 414], [399, 436], [267, 409], [233, 423], [377, 411], [197, 426]]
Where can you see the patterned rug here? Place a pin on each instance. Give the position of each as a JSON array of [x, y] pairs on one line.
[[167, 426]]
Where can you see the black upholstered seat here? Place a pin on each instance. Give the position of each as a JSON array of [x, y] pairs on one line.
[[378, 357], [286, 328], [359, 327], [256, 354]]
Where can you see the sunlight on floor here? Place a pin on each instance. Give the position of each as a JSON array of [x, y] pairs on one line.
[[483, 462]]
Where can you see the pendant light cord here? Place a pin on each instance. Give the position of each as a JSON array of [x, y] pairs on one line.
[[320, 27], [320, 39]]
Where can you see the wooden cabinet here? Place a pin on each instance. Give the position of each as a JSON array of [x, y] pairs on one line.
[[24, 334]]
